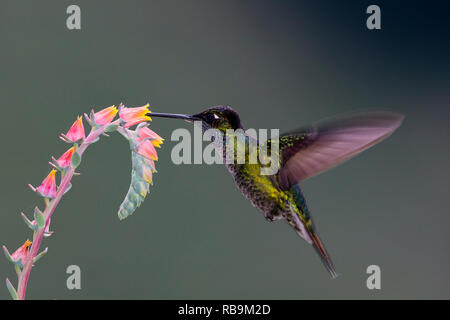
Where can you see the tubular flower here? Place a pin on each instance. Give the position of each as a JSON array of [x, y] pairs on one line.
[[151, 163], [76, 131], [105, 116], [132, 116], [147, 150], [22, 252], [48, 187], [146, 133], [157, 143], [147, 174], [64, 160]]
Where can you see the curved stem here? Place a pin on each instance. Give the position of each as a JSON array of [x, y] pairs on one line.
[[38, 235]]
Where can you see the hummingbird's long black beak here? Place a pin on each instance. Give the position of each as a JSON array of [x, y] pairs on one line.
[[174, 116]]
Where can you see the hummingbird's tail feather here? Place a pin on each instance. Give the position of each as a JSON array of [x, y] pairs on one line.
[[302, 223], [323, 254]]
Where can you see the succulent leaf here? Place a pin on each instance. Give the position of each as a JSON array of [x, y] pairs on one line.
[[12, 290]]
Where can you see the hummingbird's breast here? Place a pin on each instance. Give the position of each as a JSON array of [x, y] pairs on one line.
[[259, 189], [237, 151]]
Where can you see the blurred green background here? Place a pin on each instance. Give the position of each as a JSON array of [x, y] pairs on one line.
[[281, 64]]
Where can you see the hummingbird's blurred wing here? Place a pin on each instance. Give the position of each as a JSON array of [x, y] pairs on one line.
[[328, 143]]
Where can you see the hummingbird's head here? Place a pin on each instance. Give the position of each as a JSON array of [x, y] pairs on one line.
[[218, 117]]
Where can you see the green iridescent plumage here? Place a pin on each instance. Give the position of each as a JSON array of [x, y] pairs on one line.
[[302, 153]]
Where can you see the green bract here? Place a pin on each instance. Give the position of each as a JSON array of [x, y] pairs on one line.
[[139, 187]]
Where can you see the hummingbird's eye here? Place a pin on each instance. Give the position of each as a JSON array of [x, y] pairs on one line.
[[212, 117]]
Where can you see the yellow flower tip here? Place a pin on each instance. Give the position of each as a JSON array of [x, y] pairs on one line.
[[144, 115], [27, 244], [113, 111], [109, 109], [53, 173]]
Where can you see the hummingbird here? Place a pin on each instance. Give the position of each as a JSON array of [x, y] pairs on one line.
[[303, 153]]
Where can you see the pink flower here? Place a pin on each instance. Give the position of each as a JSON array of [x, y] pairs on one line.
[[21, 252], [132, 116], [145, 133], [76, 131], [105, 116], [48, 187], [147, 150], [147, 173], [151, 163], [64, 160]]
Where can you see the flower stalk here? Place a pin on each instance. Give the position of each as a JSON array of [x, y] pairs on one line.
[[101, 122], [47, 214]]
